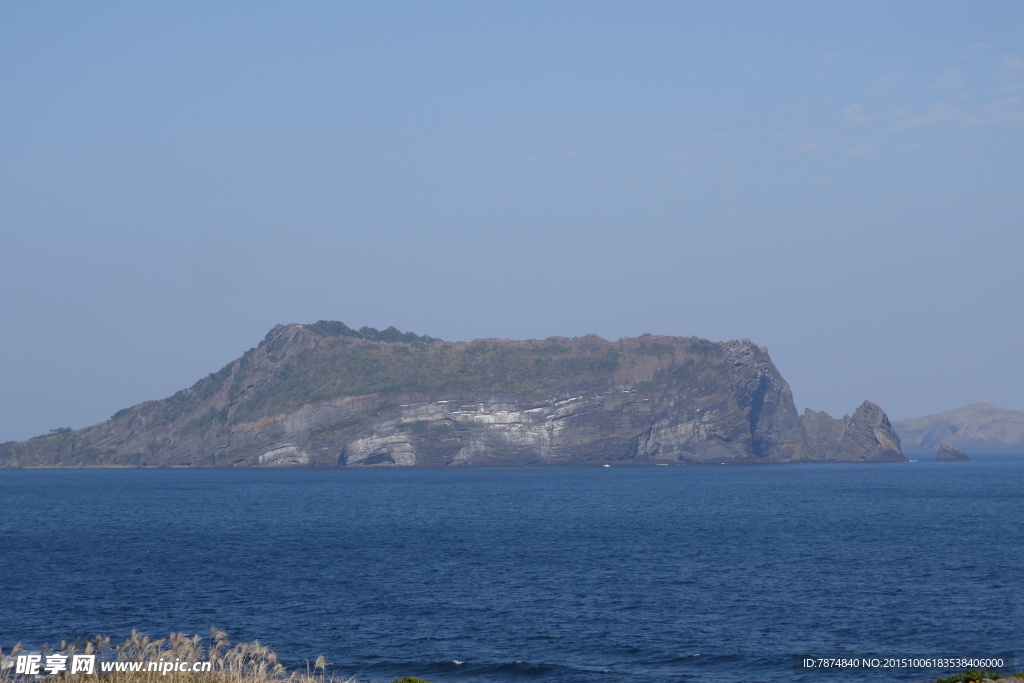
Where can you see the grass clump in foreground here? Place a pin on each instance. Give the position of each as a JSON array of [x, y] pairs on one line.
[[228, 662]]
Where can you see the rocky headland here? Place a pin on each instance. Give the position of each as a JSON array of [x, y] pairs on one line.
[[325, 395]]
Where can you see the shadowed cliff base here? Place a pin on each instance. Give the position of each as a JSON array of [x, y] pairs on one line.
[[325, 395]]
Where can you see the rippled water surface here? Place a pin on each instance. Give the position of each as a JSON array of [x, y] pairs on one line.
[[497, 575]]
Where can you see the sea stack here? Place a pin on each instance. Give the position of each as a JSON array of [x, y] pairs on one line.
[[948, 453]]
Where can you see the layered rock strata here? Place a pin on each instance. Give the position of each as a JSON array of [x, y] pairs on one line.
[[866, 436]]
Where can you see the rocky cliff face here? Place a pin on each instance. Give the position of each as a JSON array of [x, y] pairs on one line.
[[866, 436], [325, 395]]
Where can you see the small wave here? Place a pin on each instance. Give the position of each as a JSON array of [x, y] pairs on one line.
[[509, 670]]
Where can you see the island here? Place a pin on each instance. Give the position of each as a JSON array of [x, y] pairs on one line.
[[327, 395]]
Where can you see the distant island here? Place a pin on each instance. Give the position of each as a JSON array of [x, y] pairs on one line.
[[326, 395], [983, 427]]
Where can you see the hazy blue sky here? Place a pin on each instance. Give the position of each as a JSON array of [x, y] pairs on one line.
[[842, 182]]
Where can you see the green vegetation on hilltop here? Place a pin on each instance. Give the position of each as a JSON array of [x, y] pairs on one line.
[[346, 367], [335, 328], [300, 365]]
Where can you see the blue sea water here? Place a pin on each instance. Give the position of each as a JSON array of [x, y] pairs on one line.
[[503, 575]]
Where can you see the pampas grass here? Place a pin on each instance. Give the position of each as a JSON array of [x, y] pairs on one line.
[[229, 662]]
